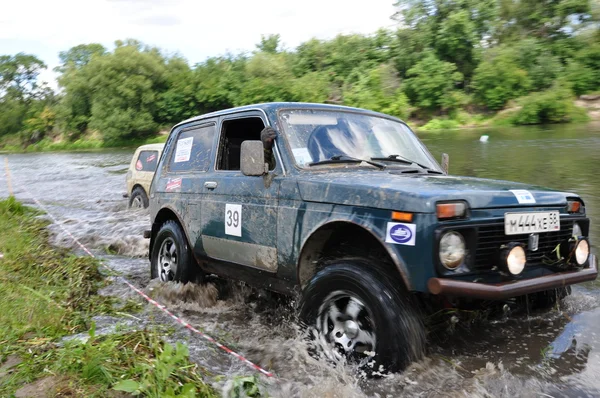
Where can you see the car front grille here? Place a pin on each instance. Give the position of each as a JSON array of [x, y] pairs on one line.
[[491, 237]]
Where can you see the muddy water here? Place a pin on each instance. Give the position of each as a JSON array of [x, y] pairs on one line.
[[554, 353]]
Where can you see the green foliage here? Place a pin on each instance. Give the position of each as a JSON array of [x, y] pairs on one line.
[[498, 78], [431, 84], [269, 44], [551, 106], [245, 387], [378, 90], [440, 124], [47, 294], [268, 79], [445, 57]]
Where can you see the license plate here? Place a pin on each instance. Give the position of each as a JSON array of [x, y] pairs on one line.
[[531, 223]]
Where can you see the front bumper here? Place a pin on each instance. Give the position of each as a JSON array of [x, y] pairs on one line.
[[485, 291]]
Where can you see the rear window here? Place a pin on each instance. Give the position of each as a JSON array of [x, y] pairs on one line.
[[193, 149], [147, 161]]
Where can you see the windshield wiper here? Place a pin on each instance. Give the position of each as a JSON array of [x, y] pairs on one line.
[[401, 159], [346, 159]]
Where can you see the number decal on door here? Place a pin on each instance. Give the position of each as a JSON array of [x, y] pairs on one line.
[[233, 220]]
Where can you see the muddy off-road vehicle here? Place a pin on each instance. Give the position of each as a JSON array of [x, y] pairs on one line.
[[356, 215]]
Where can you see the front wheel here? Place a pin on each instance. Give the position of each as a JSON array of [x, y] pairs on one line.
[[171, 258], [548, 298], [359, 313]]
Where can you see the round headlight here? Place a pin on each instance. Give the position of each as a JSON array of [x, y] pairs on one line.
[[577, 232], [452, 249], [515, 259], [582, 251]]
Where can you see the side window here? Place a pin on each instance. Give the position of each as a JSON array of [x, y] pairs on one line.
[[147, 161], [233, 133], [193, 149]]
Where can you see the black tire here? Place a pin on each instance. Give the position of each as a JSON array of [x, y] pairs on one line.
[[138, 198], [399, 333], [548, 298], [171, 258]]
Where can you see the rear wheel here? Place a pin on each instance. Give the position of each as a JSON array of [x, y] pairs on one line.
[[358, 313], [138, 199], [171, 258]]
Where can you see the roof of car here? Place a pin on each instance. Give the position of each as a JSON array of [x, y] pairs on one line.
[[151, 147], [274, 106]]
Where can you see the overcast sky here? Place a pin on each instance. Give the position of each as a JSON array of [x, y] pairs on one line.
[[194, 29]]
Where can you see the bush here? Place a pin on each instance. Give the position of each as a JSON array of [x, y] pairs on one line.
[[432, 84], [440, 124], [498, 79], [551, 106]]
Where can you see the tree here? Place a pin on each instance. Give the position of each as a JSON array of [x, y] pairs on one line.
[[18, 76], [269, 44], [378, 89], [453, 29], [431, 84], [546, 20], [79, 56], [268, 78], [125, 85], [499, 78], [21, 96]]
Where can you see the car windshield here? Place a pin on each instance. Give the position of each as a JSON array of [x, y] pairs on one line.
[[323, 135]]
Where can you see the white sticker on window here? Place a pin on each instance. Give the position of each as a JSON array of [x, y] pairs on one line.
[[233, 220], [302, 156], [184, 149], [523, 196]]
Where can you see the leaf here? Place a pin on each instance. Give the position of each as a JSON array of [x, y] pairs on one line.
[[129, 386]]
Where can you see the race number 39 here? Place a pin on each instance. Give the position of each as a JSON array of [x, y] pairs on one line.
[[233, 220]]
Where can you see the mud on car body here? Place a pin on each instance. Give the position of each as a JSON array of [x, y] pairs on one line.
[[357, 216]]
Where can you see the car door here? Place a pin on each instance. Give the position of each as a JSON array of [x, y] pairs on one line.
[[181, 186], [239, 213]]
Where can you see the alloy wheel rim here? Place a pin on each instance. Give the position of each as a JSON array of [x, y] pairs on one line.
[[167, 260], [136, 203], [346, 327]]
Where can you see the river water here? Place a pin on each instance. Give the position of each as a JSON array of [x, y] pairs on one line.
[[553, 353]]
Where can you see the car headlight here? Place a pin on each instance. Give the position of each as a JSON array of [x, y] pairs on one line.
[[582, 251], [577, 232], [452, 249], [514, 258]]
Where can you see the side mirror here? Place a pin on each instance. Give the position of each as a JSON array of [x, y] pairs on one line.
[[252, 158], [445, 162]]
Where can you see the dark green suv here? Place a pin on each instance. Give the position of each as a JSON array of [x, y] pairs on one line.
[[350, 209]]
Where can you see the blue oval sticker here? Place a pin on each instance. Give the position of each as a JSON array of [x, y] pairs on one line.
[[400, 233]]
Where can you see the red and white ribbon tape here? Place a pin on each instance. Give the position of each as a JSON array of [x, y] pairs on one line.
[[152, 301]]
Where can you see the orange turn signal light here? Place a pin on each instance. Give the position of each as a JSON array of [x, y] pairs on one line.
[[451, 210], [402, 216], [573, 206]]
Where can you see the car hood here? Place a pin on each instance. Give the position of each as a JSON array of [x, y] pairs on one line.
[[417, 193]]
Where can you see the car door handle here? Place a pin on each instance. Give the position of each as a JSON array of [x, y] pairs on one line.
[[210, 184]]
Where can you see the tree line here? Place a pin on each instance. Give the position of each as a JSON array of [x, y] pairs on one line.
[[448, 60]]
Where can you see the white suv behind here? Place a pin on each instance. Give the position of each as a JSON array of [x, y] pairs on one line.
[[140, 173]]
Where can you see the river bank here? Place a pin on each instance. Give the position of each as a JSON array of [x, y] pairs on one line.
[[49, 294], [585, 109]]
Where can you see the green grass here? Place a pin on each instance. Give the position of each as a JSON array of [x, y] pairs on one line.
[[48, 293]]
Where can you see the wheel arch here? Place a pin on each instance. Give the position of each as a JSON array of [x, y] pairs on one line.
[[165, 214], [138, 185], [329, 237]]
